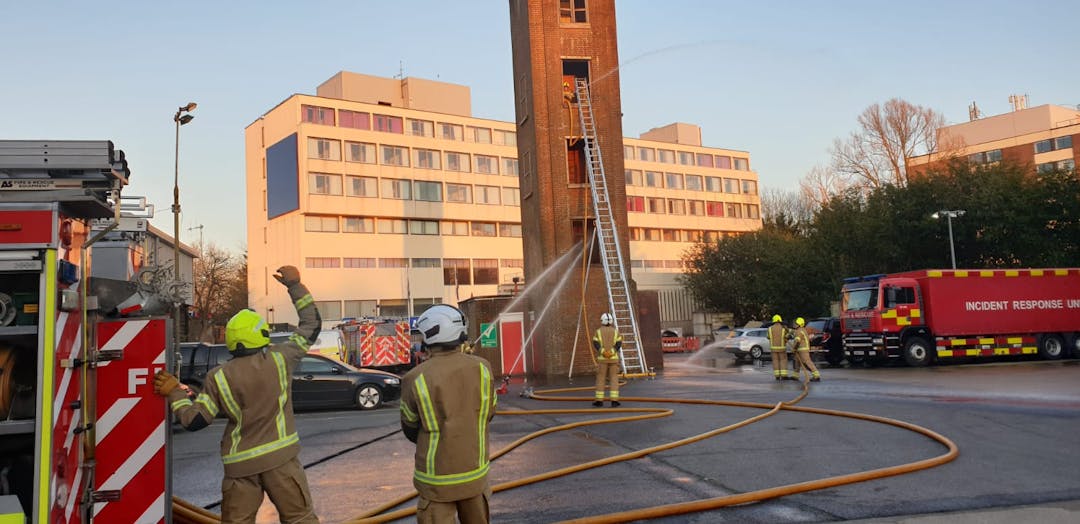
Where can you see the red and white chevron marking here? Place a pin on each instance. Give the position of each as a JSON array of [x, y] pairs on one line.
[[65, 476], [132, 423]]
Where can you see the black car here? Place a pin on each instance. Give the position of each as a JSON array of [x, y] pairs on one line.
[[197, 359], [826, 338], [319, 382]]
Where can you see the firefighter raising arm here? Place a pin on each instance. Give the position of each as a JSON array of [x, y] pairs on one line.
[[309, 325]]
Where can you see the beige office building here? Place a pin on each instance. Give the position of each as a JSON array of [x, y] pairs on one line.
[[391, 197]]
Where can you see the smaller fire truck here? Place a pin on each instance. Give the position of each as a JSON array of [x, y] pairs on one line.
[[378, 343], [83, 438]]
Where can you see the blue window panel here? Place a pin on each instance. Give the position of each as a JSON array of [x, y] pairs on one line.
[[282, 178]]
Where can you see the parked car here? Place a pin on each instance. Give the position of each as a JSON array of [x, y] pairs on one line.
[[747, 343], [826, 337], [196, 359], [320, 382]]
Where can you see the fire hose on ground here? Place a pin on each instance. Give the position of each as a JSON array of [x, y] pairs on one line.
[[184, 512]]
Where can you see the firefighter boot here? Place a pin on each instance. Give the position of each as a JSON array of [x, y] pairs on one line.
[[615, 403], [598, 403]]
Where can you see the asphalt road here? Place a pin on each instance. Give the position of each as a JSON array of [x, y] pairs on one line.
[[1016, 425]]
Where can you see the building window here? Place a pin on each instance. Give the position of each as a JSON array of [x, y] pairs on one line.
[[654, 264], [633, 177], [354, 119], [734, 210], [510, 166], [394, 307], [322, 262], [329, 309], [667, 156], [1063, 142], [572, 12], [713, 236], [652, 235], [714, 184], [513, 263], [324, 149], [742, 164], [714, 209], [393, 263], [1063, 165], [457, 161], [697, 207], [653, 179], [676, 206], [395, 156], [636, 233], [484, 164], [704, 160], [358, 263], [324, 184], [427, 191], [423, 227], [483, 229], [646, 154], [360, 152], [673, 181], [693, 182], [360, 308], [505, 138], [421, 128], [751, 211], [628, 152], [317, 115], [673, 264], [321, 224], [695, 236], [731, 185], [450, 132], [420, 305], [1043, 146], [686, 158], [986, 157], [359, 225], [459, 193], [637, 264], [749, 187], [511, 196], [670, 235], [426, 159], [362, 186], [723, 162], [454, 228], [656, 205], [487, 195], [480, 135], [485, 271], [456, 272], [420, 263], [635, 204], [510, 230], [396, 189], [391, 226], [388, 124]]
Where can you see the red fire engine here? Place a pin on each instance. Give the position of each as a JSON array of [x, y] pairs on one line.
[[377, 343], [82, 436]]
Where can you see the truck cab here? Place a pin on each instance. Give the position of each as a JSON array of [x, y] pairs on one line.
[[880, 315]]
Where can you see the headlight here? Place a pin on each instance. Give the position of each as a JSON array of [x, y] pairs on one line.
[[392, 380]]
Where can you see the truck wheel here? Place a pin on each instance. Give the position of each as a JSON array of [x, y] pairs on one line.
[[917, 352], [368, 396], [1051, 347], [756, 352]]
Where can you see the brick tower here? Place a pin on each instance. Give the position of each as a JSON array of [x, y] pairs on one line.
[[554, 42]]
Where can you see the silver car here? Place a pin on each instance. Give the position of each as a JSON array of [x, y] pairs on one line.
[[747, 343]]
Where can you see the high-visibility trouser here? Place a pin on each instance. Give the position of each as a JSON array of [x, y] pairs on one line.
[[779, 361], [607, 371], [803, 356]]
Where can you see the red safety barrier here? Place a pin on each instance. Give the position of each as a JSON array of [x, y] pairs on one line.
[[671, 344], [691, 344]]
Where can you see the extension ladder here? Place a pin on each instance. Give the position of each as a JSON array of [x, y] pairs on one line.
[[618, 284]]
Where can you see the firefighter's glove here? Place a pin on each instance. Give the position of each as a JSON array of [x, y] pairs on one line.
[[165, 383], [288, 275]]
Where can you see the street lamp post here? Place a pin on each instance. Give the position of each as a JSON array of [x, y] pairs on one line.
[[949, 215], [181, 117]]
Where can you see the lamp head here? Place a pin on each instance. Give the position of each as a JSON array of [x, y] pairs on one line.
[[935, 216], [189, 107], [185, 119]]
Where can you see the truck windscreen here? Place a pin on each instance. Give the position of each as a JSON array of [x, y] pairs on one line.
[[857, 299]]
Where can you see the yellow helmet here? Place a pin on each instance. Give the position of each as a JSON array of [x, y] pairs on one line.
[[800, 322], [776, 318], [246, 330]]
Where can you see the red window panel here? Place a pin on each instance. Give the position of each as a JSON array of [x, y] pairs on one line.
[[714, 209], [635, 204]]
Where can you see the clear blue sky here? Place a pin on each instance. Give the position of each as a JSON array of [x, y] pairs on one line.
[[780, 79]]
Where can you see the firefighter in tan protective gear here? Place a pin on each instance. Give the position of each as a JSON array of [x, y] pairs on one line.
[[607, 342], [802, 350], [260, 445], [778, 335], [446, 405]]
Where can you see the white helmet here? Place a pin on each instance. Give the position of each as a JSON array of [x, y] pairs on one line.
[[606, 319], [442, 325]]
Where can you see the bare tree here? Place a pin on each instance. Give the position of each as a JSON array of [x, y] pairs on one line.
[[786, 208], [220, 288], [822, 183], [888, 135]]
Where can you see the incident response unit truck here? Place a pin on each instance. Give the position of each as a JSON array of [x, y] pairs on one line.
[[928, 315]]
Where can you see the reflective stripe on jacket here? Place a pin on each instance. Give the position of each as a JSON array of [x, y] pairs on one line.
[[777, 333], [450, 398], [610, 341], [802, 339], [254, 392]]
